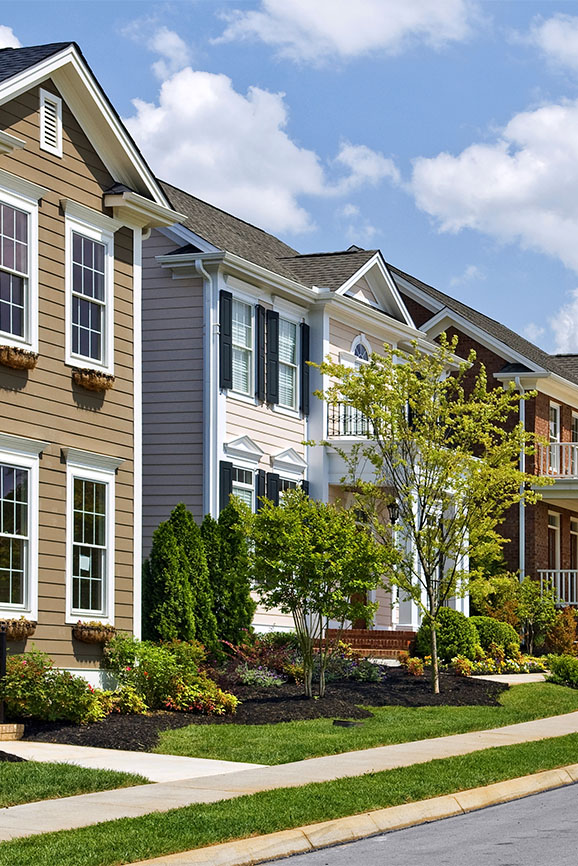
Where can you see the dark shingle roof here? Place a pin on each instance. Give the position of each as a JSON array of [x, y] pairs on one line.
[[560, 364], [230, 233], [328, 270], [15, 60]]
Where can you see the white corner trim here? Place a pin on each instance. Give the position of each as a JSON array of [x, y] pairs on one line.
[[244, 448], [289, 461], [26, 188], [90, 460], [9, 143], [22, 445], [90, 217], [137, 434]]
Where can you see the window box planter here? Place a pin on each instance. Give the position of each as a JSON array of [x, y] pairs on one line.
[[18, 629], [93, 632], [18, 359], [92, 380]]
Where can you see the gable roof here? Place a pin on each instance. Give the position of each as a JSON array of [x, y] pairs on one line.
[[15, 60], [563, 365], [329, 270]]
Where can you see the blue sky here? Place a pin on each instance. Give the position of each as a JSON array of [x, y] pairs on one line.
[[444, 132]]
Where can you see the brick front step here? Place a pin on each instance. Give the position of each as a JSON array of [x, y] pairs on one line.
[[380, 643]]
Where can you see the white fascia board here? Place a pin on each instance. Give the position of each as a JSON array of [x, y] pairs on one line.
[[554, 386], [437, 325], [418, 294], [9, 143], [137, 211], [377, 261], [101, 126], [181, 235]]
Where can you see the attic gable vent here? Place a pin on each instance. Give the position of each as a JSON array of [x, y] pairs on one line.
[[50, 123]]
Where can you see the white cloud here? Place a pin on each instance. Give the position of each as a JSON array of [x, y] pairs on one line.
[[7, 38], [520, 188], [349, 210], [469, 274], [533, 332], [557, 39], [233, 150], [565, 325], [315, 31], [175, 53]]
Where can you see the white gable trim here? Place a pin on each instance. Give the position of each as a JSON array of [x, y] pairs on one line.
[[96, 117], [289, 461], [419, 295], [244, 448], [376, 261], [181, 236]]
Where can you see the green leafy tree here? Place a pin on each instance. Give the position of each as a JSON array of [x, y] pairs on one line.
[[313, 561], [537, 613], [446, 451], [167, 593], [194, 563]]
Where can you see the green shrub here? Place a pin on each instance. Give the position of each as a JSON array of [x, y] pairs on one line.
[[561, 636], [564, 670], [34, 688], [258, 676], [414, 666], [456, 636], [462, 666], [493, 631], [167, 592]]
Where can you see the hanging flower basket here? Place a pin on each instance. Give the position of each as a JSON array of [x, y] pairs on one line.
[[93, 632], [92, 380], [18, 629], [18, 359]]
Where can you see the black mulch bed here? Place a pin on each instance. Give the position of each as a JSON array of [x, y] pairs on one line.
[[279, 704], [6, 756]]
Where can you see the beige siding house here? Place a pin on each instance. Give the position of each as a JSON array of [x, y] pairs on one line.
[[75, 195], [231, 316]]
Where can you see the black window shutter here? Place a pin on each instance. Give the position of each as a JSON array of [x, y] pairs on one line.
[[304, 368], [305, 487], [225, 339], [260, 353], [225, 483], [273, 487], [261, 488], [272, 357]]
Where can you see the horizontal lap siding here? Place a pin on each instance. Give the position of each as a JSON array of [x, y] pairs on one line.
[[272, 431], [43, 403], [341, 337], [172, 390]]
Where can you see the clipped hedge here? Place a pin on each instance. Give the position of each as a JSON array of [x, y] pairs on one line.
[[493, 631], [456, 636]]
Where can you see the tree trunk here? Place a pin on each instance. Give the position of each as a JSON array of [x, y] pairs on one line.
[[307, 680], [322, 681], [435, 671]]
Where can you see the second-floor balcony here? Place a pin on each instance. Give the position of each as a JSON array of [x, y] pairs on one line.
[[557, 460], [564, 582], [345, 420]]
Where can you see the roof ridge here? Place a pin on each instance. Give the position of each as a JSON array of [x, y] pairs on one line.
[[334, 253]]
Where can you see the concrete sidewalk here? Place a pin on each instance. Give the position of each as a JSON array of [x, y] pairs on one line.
[[80, 811], [157, 768]]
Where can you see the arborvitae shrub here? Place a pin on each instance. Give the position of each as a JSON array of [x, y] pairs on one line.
[[167, 592]]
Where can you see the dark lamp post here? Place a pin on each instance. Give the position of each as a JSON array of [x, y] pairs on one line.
[[393, 509]]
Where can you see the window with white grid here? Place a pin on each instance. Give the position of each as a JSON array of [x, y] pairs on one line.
[[89, 546], [242, 347], [14, 534], [244, 485], [88, 297], [287, 364], [14, 271], [285, 484]]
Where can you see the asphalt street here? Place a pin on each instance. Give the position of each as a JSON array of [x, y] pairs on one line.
[[535, 831]]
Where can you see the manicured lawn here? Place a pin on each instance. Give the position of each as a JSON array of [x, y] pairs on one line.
[[30, 780], [295, 741], [130, 839]]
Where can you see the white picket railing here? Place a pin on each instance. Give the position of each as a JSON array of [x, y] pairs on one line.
[[565, 583], [559, 460]]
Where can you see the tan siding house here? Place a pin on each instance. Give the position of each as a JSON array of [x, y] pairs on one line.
[[70, 265]]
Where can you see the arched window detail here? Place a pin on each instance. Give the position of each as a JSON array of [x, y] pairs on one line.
[[361, 348]]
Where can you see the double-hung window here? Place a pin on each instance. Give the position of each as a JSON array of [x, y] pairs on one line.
[[244, 486], [14, 272], [242, 347], [287, 364], [90, 535], [89, 289], [14, 534]]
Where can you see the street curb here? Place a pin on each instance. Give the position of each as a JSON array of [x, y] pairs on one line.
[[257, 849]]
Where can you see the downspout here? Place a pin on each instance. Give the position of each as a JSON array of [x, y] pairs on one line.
[[521, 506]]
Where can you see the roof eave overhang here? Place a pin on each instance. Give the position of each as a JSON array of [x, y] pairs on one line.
[[136, 210], [98, 120]]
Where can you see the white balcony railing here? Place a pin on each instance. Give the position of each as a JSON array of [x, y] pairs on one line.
[[558, 460], [565, 583]]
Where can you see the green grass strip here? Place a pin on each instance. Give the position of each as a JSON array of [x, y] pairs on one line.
[[296, 741], [130, 839], [30, 780]]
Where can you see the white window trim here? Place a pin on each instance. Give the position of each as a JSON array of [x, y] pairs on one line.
[[239, 464], [81, 464], [28, 204], [557, 407], [361, 340], [46, 96], [27, 459], [556, 526], [95, 232], [280, 407], [246, 396]]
